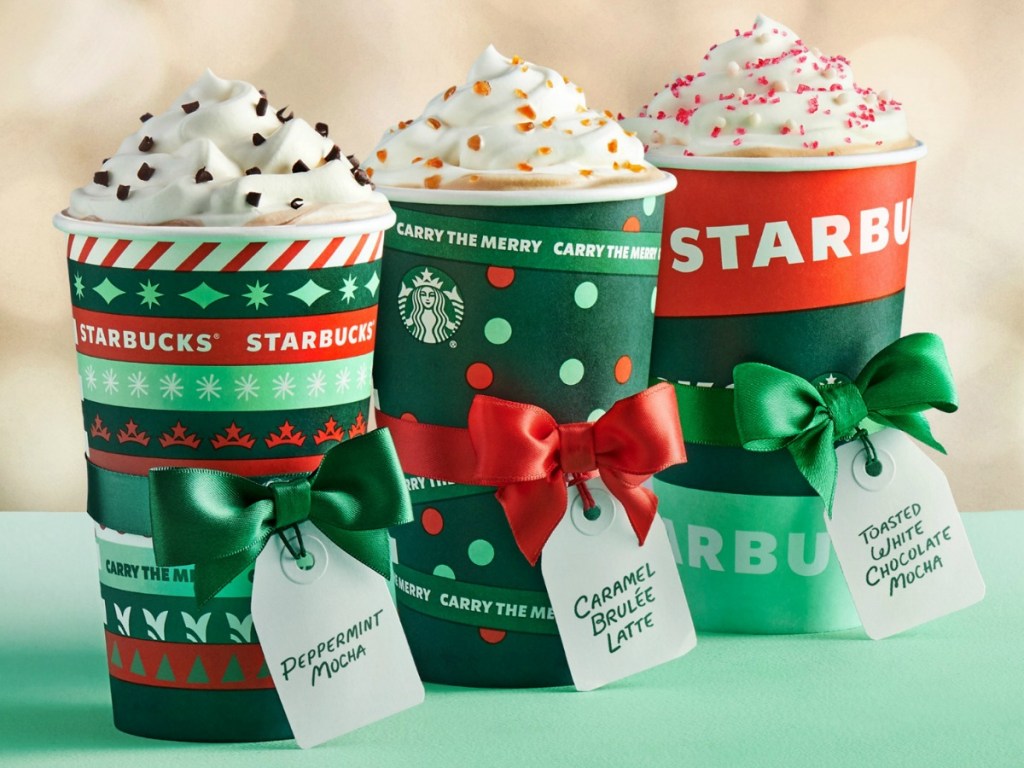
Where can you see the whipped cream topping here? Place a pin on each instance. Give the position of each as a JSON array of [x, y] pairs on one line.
[[512, 124], [221, 155], [764, 92]]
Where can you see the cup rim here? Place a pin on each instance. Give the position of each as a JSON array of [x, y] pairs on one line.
[[785, 164], [522, 197], [74, 226]]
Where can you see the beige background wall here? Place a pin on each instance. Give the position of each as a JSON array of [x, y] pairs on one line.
[[76, 74]]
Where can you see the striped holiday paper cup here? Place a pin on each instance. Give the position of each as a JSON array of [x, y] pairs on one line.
[[247, 350], [543, 297], [799, 263]]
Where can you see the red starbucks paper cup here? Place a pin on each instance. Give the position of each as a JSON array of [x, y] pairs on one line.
[[799, 263], [247, 350]]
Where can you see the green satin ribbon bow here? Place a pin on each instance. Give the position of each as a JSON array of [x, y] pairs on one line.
[[775, 409], [220, 522]]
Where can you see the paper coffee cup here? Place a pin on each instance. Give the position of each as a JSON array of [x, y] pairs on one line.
[[799, 263], [543, 297], [247, 350]]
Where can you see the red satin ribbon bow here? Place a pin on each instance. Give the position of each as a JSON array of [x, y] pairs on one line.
[[521, 449]]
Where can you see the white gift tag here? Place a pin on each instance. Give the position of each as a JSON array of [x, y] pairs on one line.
[[331, 638], [619, 607], [899, 537]]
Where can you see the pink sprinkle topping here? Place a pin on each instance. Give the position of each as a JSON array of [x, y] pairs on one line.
[[785, 129], [741, 131], [683, 115], [812, 104], [762, 80], [716, 132], [803, 88], [737, 142]]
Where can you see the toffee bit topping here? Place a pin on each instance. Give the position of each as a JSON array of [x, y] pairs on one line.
[[352, 160], [382, 155], [254, 171], [549, 84], [189, 108], [282, 116], [203, 176], [473, 179], [369, 173], [297, 202], [403, 124], [474, 142], [322, 129], [299, 167], [432, 182], [434, 123], [520, 93], [415, 160], [526, 111], [548, 123], [253, 198], [543, 150], [334, 154], [262, 105], [361, 176], [516, 61], [613, 145], [481, 88], [145, 172], [525, 127], [448, 94], [146, 144], [257, 139], [524, 167], [435, 162], [144, 117], [122, 191], [102, 178], [586, 172]]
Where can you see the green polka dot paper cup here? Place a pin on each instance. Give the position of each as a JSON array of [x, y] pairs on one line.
[[543, 297], [799, 263], [247, 350]]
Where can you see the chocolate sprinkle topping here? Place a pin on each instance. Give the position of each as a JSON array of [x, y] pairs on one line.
[[334, 154], [203, 175], [253, 171], [253, 198], [261, 106], [353, 160], [145, 117], [145, 171], [257, 139], [102, 178], [360, 175], [189, 108], [122, 191], [282, 116], [299, 167], [322, 129], [296, 203], [146, 144]]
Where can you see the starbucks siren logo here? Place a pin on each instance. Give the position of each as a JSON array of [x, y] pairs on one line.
[[430, 305]]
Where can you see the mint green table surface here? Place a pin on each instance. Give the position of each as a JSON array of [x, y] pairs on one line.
[[950, 693]]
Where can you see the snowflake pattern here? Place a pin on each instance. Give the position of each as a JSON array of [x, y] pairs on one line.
[[284, 386], [342, 380], [348, 289], [316, 384], [110, 383], [246, 387], [363, 376], [137, 385], [171, 386], [208, 387], [90, 377]]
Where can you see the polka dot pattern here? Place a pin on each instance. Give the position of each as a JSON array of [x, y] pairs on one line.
[[571, 372], [649, 205], [444, 572], [596, 414], [585, 295], [492, 636], [481, 552], [479, 376], [498, 330], [632, 224], [623, 369], [500, 277], [432, 521]]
